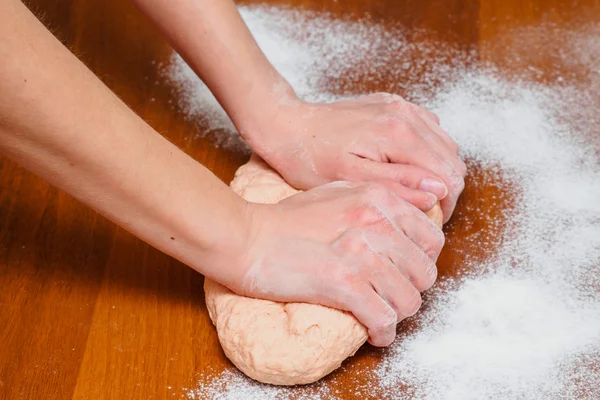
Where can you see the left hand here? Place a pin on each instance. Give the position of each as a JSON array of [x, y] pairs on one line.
[[377, 137], [373, 138]]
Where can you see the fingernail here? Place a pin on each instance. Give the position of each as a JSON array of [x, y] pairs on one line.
[[434, 186]]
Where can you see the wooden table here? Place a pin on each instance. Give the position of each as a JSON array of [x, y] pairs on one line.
[[88, 311]]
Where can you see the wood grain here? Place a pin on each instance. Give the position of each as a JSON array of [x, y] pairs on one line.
[[89, 312]]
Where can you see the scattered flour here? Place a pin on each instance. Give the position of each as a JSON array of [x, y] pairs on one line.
[[303, 57], [525, 322], [321, 57], [519, 330], [232, 385]]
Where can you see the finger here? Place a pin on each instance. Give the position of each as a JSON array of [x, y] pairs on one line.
[[373, 312], [439, 140], [429, 115], [448, 204], [410, 176], [412, 148], [423, 232], [434, 124], [417, 266], [380, 97], [429, 122], [413, 262], [417, 227], [394, 288], [424, 201]]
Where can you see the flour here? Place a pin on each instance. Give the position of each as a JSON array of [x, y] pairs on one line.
[[523, 322], [314, 59], [232, 385], [520, 330]]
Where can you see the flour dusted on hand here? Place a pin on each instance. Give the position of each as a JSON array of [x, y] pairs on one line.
[[280, 343]]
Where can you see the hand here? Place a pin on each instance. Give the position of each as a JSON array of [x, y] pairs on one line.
[[353, 247], [372, 138]]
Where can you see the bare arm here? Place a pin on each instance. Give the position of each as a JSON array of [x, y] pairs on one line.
[[58, 120], [356, 247], [375, 138], [213, 39]]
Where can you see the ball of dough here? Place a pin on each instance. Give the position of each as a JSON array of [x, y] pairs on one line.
[[280, 343]]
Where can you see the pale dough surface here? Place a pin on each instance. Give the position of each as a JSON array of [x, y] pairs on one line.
[[280, 343]]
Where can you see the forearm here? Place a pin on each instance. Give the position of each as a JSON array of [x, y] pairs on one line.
[[58, 120], [212, 37]]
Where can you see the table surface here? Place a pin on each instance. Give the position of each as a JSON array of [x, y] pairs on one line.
[[89, 311]]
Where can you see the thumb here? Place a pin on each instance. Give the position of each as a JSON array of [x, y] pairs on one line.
[[407, 175]]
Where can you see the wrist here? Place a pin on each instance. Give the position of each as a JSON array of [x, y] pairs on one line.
[[258, 124], [220, 251], [248, 255]]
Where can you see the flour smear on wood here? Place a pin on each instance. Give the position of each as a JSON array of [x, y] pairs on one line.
[[523, 322]]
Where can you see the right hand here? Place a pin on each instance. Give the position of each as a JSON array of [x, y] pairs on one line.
[[355, 247]]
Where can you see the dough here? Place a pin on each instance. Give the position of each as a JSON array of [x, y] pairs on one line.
[[280, 343]]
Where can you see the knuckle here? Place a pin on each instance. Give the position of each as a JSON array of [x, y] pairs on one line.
[[461, 183], [434, 117], [456, 150], [432, 273], [385, 322], [463, 168], [376, 192], [458, 183], [429, 275], [353, 242], [413, 302], [389, 97], [434, 240], [380, 96], [425, 273], [395, 105], [368, 214], [412, 111], [454, 145], [430, 114], [439, 239]]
